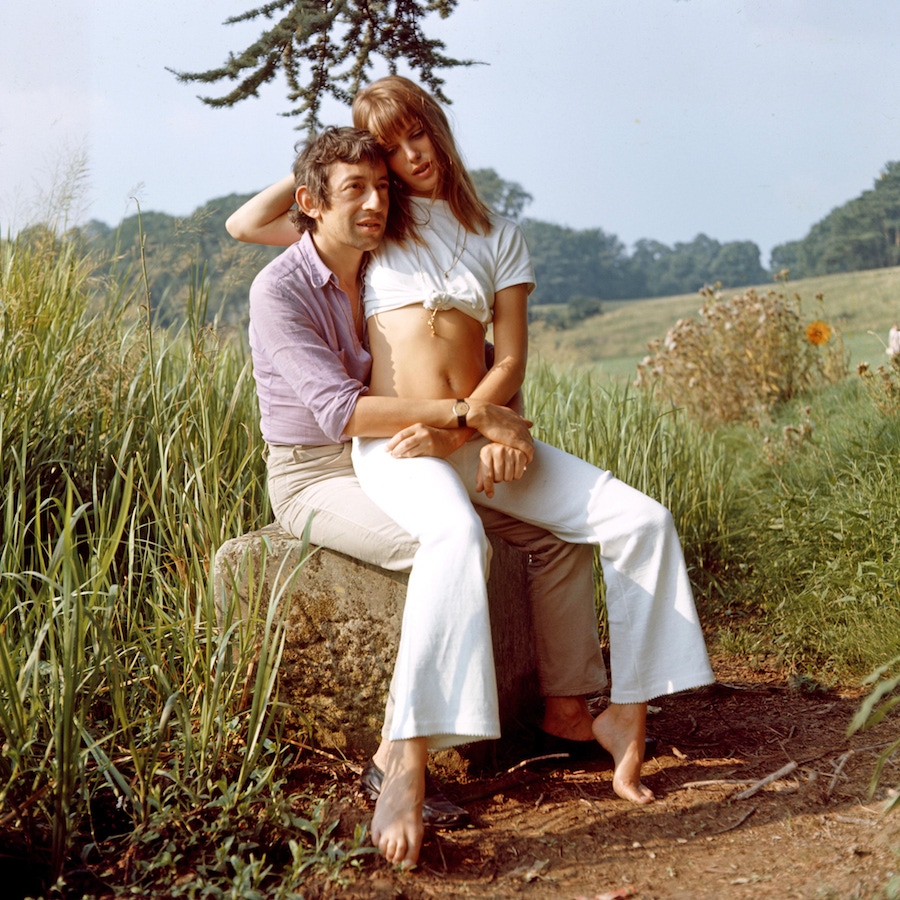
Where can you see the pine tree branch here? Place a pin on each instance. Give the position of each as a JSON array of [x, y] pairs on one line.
[[326, 48]]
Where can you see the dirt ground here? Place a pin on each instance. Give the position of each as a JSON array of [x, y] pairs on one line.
[[561, 832]]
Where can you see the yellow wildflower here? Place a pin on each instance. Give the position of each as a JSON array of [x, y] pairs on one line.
[[818, 333]]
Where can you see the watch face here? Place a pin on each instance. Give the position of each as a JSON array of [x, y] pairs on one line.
[[460, 408]]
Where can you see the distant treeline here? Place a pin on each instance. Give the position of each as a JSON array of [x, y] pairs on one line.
[[181, 255], [862, 234], [577, 268]]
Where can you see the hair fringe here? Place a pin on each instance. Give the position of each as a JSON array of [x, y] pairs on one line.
[[388, 106]]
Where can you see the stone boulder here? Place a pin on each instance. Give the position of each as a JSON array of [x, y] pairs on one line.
[[343, 629]]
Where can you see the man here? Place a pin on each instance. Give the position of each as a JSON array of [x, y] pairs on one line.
[[311, 365]]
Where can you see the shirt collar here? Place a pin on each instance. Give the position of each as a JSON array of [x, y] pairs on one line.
[[319, 272]]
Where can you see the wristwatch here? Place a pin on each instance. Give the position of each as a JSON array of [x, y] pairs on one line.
[[461, 410]]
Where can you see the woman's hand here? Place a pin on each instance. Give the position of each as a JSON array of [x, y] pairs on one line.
[[498, 463], [425, 440]]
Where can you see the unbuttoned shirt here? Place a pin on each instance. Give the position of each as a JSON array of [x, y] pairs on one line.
[[309, 364]]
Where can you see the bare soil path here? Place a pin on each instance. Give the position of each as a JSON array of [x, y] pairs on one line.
[[562, 833]]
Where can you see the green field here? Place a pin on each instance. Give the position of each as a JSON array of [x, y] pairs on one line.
[[857, 303]]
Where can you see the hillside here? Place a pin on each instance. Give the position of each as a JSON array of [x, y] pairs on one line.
[[855, 302]]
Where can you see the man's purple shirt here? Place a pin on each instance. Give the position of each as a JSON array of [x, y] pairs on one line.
[[308, 361]]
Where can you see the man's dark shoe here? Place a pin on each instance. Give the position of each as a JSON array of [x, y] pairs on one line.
[[437, 810], [582, 751]]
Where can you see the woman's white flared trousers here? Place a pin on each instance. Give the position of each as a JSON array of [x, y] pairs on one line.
[[444, 685]]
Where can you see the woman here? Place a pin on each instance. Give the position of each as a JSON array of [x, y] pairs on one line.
[[428, 303]]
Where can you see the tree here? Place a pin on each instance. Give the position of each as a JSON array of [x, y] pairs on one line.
[[506, 198], [790, 256], [682, 269], [737, 264], [569, 263], [864, 233], [325, 48], [660, 270]]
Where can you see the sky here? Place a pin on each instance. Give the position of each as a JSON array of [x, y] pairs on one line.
[[662, 119]]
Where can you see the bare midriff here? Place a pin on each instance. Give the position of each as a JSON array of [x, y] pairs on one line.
[[411, 360]]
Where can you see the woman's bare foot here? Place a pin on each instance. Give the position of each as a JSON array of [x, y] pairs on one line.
[[622, 728], [397, 828]]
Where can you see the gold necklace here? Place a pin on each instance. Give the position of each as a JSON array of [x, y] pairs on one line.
[[457, 257]]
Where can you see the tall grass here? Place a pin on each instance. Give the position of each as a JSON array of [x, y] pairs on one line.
[[788, 524], [819, 518], [128, 719]]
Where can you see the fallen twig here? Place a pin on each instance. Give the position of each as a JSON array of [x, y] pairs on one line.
[[534, 759], [353, 767], [852, 820], [443, 858], [837, 772], [714, 782], [17, 810], [880, 746], [808, 759], [737, 824], [763, 782]]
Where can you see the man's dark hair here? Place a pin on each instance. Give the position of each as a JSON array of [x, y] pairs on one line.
[[312, 169]]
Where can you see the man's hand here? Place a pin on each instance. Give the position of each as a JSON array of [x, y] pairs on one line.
[[425, 440], [498, 463], [501, 425]]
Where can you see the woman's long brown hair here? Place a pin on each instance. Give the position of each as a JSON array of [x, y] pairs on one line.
[[388, 106]]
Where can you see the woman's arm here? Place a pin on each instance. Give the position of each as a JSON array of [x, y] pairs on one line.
[[263, 219], [504, 378], [499, 462], [375, 416]]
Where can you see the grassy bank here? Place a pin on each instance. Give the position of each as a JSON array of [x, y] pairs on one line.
[[614, 342], [788, 527], [142, 746]]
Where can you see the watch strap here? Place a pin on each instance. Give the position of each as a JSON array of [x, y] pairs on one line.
[[461, 418]]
